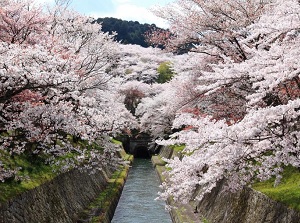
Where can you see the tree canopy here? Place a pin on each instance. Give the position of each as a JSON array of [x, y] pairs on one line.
[[233, 100], [236, 103], [55, 88]]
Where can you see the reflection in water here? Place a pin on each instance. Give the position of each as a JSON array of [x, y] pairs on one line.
[[137, 204]]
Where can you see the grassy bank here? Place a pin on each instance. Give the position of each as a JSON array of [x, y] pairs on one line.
[[102, 208], [33, 170], [183, 213], [109, 197], [32, 173], [287, 192]]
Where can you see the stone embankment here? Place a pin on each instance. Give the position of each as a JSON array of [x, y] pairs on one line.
[[246, 206], [65, 198]]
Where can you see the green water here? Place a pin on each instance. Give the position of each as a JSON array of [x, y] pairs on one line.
[[137, 204]]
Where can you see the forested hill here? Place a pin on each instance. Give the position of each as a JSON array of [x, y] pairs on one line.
[[129, 32]]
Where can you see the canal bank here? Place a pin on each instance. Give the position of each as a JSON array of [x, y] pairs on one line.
[[74, 196], [182, 213], [103, 207], [221, 206], [60, 200]]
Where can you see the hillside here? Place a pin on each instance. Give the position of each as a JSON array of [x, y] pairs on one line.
[[129, 32]]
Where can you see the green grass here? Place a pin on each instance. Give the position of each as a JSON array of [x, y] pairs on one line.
[[116, 141], [178, 148], [33, 169], [204, 220], [287, 192], [122, 152], [32, 174], [111, 192]]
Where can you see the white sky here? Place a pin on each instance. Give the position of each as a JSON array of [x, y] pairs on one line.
[[135, 10]]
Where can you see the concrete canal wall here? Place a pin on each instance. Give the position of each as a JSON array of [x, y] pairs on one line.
[[246, 206]]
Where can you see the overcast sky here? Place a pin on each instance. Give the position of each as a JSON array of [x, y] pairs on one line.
[[136, 10]]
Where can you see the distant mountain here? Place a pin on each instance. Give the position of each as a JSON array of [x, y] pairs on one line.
[[129, 32]]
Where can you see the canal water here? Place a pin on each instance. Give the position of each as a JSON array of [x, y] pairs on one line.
[[137, 204]]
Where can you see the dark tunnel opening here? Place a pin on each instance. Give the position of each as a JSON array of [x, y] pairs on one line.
[[142, 152]]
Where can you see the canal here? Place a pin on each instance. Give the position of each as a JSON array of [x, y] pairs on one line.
[[137, 204]]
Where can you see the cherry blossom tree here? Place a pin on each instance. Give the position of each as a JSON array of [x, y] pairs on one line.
[[133, 92], [54, 85], [213, 27], [137, 72], [140, 64], [250, 62], [158, 110]]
